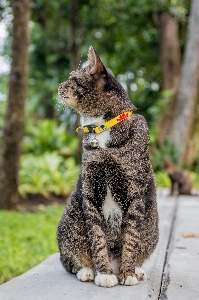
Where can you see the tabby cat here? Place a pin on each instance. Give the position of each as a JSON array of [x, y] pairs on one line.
[[110, 225]]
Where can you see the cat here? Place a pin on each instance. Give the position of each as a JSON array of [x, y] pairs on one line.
[[181, 182], [110, 225]]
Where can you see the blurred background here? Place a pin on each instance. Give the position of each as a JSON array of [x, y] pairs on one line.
[[152, 48]]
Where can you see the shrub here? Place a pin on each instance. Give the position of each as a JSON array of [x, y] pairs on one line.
[[162, 180], [46, 136], [47, 173]]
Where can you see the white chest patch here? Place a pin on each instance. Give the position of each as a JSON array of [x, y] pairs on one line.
[[111, 210], [103, 137]]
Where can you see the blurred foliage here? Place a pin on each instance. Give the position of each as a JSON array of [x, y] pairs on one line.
[[47, 174], [123, 32], [26, 239], [48, 135], [47, 164], [159, 155], [157, 108], [195, 179], [162, 179]]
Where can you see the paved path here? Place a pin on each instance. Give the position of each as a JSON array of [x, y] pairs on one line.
[[173, 269]]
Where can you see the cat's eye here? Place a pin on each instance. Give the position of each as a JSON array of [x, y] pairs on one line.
[[79, 84]]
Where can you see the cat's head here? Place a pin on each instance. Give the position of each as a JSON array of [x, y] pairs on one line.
[[93, 91]]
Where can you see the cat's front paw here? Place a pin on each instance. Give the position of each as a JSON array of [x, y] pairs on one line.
[[106, 280], [85, 274], [128, 279], [141, 274]]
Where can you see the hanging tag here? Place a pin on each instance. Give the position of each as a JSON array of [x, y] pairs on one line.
[[94, 143]]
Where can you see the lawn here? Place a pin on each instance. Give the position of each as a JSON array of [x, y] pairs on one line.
[[27, 238]]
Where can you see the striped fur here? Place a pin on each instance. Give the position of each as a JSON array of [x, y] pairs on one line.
[[112, 212]]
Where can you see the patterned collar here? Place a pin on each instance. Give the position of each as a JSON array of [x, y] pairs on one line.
[[100, 128]]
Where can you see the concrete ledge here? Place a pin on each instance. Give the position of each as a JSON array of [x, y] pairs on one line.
[[49, 281], [183, 255]]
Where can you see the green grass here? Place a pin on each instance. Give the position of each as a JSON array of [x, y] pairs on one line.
[[26, 239]]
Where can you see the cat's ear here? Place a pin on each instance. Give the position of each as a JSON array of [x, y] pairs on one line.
[[97, 70]]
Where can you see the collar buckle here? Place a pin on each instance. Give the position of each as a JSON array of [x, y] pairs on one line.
[[90, 128]]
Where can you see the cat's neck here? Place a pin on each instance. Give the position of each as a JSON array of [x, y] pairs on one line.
[[104, 137], [85, 120]]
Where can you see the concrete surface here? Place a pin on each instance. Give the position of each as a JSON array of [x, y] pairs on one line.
[[183, 258], [172, 270]]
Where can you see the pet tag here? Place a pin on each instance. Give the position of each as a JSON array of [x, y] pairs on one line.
[[94, 143]]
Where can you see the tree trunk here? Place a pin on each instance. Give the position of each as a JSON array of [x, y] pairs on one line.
[[43, 18], [183, 127], [191, 148], [14, 120], [171, 64]]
